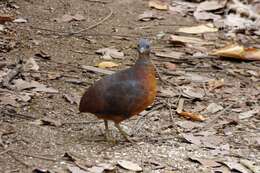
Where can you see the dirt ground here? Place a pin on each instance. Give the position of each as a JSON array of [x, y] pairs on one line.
[[48, 132]]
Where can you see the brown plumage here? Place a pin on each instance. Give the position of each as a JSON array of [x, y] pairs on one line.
[[123, 94]]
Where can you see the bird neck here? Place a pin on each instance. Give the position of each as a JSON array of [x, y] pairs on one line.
[[144, 59]]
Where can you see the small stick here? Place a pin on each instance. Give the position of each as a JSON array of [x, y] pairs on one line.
[[170, 109], [143, 115], [97, 70], [97, 1], [215, 119], [158, 73], [34, 156], [94, 25], [15, 158], [82, 122]]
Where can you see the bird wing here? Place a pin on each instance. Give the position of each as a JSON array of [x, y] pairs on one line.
[[123, 97]]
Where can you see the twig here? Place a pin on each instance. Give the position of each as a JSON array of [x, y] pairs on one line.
[[19, 160], [82, 122], [97, 70], [94, 25], [27, 117], [98, 1], [137, 126], [170, 109], [5, 151], [158, 73], [215, 119], [34, 156]]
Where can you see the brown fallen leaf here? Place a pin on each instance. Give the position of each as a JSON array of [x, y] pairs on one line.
[[204, 15], [238, 52], [31, 64], [211, 5], [158, 4], [69, 18], [148, 15], [233, 165], [192, 116], [97, 70], [205, 162], [215, 83], [182, 40], [107, 64], [46, 122], [129, 165], [75, 169], [171, 54], [191, 92], [6, 18], [109, 53], [209, 27]]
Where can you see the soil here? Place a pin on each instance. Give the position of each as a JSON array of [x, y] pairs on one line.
[[165, 141]]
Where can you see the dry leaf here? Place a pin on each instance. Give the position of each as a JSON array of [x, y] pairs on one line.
[[172, 54], [4, 19], [192, 139], [31, 64], [107, 64], [8, 99], [71, 99], [129, 165], [214, 84], [205, 162], [69, 18], [20, 20], [232, 165], [211, 5], [158, 4], [107, 166], [74, 169], [194, 77], [193, 93], [97, 70], [96, 169], [46, 122], [249, 114], [109, 53], [251, 165], [203, 15], [36, 86], [209, 27], [213, 108], [235, 20], [188, 125], [238, 52], [170, 66], [183, 39], [148, 15], [192, 116]]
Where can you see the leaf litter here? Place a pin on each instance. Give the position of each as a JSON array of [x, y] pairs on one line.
[[215, 84]]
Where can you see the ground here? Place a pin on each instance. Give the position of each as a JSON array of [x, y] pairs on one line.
[[165, 141]]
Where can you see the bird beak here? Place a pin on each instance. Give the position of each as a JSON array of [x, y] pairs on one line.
[[142, 50]]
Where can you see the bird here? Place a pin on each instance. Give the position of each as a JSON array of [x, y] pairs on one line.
[[123, 94]]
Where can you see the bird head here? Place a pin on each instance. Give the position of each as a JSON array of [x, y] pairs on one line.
[[144, 46]]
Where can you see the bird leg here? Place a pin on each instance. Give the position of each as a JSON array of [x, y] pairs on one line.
[[107, 133], [125, 135]]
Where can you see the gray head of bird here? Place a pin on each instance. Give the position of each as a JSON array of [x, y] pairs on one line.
[[144, 46]]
